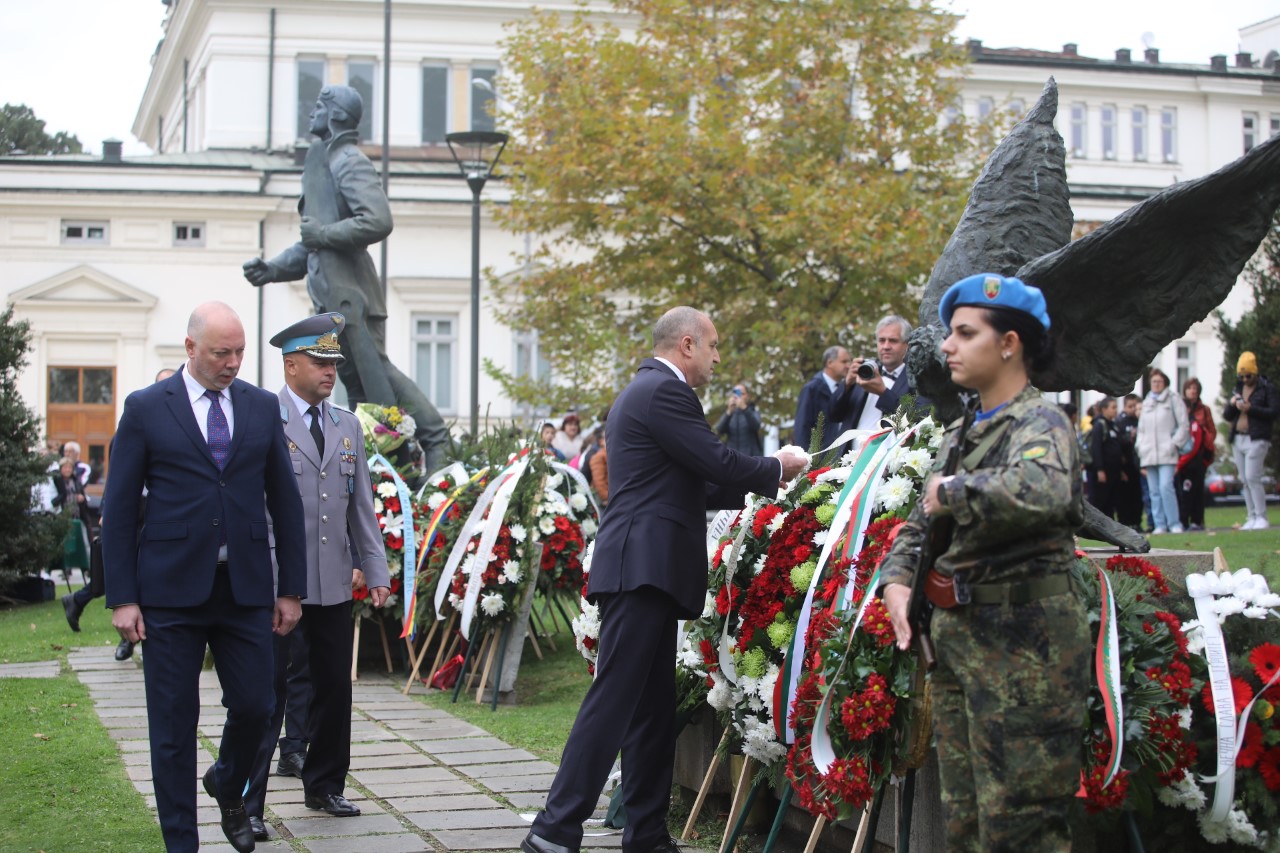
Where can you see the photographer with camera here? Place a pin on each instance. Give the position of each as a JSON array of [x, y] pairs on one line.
[[874, 387], [740, 424], [1251, 411]]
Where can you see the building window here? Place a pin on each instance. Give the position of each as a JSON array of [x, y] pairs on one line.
[[532, 365], [1078, 127], [1186, 363], [1250, 128], [1169, 135], [985, 107], [1018, 107], [951, 114], [188, 234], [435, 103], [78, 232], [360, 77], [1108, 131], [311, 76], [484, 97], [1275, 124], [435, 341], [1139, 116]]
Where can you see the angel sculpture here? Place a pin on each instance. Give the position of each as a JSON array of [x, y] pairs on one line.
[[1118, 295]]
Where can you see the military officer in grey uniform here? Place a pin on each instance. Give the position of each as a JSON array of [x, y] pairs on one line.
[[326, 445]]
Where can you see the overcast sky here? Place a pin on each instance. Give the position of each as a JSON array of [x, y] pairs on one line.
[[82, 65]]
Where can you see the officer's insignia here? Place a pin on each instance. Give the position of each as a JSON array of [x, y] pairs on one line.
[[292, 447], [346, 442], [991, 287], [1034, 452]]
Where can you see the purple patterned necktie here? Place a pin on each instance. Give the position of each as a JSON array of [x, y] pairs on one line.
[[219, 434]]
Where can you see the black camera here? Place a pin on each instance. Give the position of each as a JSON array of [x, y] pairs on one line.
[[869, 369]]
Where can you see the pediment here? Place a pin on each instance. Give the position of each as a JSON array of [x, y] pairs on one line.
[[82, 285]]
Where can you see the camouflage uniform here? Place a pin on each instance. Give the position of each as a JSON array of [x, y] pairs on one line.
[[1009, 691]]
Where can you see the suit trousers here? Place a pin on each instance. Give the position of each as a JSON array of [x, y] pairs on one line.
[[298, 696], [631, 706], [240, 639], [326, 638]]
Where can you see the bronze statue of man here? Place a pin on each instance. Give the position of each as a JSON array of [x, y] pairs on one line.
[[344, 211]]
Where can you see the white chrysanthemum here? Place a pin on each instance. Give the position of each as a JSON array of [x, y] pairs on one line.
[[433, 502], [848, 459], [894, 492], [935, 440], [517, 532], [408, 426], [578, 501], [820, 537], [776, 523], [689, 658], [720, 696], [708, 605], [455, 601], [588, 527], [835, 475], [510, 572], [1228, 605], [759, 742], [756, 704], [387, 490], [492, 603], [467, 565], [547, 525], [895, 459], [1214, 831], [919, 461], [1184, 793], [758, 567], [377, 506], [747, 684], [1195, 637], [764, 688], [1184, 718], [926, 426], [555, 481], [1239, 829]]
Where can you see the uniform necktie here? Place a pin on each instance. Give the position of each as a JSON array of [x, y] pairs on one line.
[[317, 431], [219, 433]]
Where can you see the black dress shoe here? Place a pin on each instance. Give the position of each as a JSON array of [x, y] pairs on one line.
[[124, 650], [667, 845], [259, 828], [334, 804], [235, 822], [72, 610], [290, 764], [534, 843]]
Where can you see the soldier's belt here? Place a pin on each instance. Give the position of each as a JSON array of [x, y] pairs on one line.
[[948, 591]]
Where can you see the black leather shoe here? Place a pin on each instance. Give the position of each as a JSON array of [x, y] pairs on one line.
[[259, 828], [334, 804], [667, 846], [124, 650], [70, 608], [235, 822], [290, 764], [534, 843]]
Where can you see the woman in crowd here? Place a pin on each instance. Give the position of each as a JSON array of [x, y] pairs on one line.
[[740, 423], [1012, 675], [569, 439], [69, 492], [1252, 412], [1188, 480], [1162, 435]]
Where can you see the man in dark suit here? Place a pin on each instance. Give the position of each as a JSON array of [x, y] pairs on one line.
[[817, 396], [867, 399], [212, 453], [666, 468]]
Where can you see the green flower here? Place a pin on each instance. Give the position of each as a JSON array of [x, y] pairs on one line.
[[817, 494], [826, 514], [753, 664], [802, 574], [780, 633]]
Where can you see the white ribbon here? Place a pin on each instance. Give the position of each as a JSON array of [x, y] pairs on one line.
[[576, 476], [492, 527], [464, 536], [455, 470]]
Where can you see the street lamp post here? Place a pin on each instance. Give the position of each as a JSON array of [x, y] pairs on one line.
[[476, 152]]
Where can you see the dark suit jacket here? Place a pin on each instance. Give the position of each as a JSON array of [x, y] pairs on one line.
[[172, 560], [815, 399], [848, 407], [666, 468]]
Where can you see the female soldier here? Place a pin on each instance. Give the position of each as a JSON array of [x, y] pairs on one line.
[[1011, 682]]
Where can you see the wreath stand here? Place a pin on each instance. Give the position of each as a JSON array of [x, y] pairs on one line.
[[355, 646], [492, 645], [418, 658]]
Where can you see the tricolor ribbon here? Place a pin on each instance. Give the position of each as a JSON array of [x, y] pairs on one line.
[[1106, 665], [408, 556]]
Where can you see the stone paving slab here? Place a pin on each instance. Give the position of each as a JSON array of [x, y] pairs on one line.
[[521, 783], [332, 827], [403, 843], [296, 810], [441, 802], [387, 790], [382, 747], [34, 669], [469, 744], [405, 774], [482, 839], [489, 756], [413, 758], [494, 818], [485, 772]]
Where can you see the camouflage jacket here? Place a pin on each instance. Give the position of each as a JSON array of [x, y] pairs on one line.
[[1014, 509]]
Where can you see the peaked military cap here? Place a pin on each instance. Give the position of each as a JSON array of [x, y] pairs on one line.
[[988, 290], [316, 336]]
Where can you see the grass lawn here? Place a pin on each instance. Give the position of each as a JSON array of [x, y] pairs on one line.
[[40, 631]]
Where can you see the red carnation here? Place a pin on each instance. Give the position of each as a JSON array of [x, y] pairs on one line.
[[1140, 568], [816, 473], [1174, 624]]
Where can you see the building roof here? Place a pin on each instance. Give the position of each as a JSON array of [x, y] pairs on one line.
[[1242, 65]]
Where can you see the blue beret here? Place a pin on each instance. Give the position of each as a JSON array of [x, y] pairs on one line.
[[988, 290], [316, 336]]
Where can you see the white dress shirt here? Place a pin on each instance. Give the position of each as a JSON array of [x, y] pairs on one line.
[[200, 404]]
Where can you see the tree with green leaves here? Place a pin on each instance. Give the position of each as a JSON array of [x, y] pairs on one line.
[[20, 130], [29, 540], [784, 166]]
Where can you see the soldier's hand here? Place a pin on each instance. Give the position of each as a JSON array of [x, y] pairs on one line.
[[312, 233], [127, 620], [932, 502], [357, 579], [1102, 476], [257, 271], [897, 600], [378, 595], [287, 613]]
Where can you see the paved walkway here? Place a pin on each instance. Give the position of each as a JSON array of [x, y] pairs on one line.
[[423, 779]]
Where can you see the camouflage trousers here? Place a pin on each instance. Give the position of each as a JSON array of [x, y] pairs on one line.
[[1009, 704]]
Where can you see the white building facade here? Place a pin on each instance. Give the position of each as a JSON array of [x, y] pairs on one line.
[[107, 256]]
